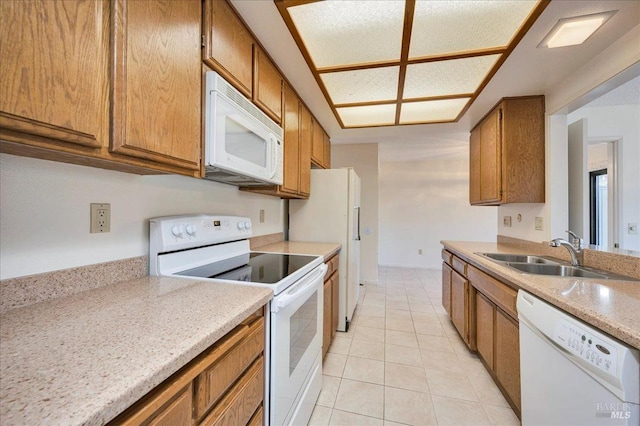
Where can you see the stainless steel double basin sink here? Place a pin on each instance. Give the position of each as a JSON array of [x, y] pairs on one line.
[[543, 265]]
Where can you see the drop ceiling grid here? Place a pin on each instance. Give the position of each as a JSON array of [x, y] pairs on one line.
[[411, 74]]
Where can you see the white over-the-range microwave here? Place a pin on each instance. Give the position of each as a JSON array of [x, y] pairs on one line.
[[243, 146]]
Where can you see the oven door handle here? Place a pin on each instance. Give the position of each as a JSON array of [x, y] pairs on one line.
[[303, 289]]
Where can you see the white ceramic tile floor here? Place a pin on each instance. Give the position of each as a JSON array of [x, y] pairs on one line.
[[403, 363]]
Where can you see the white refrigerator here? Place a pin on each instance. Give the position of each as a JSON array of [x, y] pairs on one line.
[[332, 215]]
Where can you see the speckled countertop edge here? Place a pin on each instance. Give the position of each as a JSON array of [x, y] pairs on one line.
[[301, 247], [85, 358], [610, 305]]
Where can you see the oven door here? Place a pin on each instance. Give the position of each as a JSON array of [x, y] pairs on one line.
[[296, 342]]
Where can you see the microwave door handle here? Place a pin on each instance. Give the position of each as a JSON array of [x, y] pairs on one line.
[[273, 160], [300, 290]]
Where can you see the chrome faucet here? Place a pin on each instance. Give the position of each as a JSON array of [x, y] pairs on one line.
[[574, 247]]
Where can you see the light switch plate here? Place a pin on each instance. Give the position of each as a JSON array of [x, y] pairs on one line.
[[539, 223], [632, 228]]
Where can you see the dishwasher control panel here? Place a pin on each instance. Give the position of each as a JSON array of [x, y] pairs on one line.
[[586, 346]]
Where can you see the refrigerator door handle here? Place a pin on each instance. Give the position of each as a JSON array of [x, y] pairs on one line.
[[356, 224]]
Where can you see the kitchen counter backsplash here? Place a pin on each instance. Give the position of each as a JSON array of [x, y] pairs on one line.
[[23, 291]]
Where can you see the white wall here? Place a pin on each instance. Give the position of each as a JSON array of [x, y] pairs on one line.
[[44, 219], [620, 123], [364, 159], [424, 198]]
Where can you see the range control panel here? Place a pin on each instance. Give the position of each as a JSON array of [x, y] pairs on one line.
[[587, 346], [180, 232]]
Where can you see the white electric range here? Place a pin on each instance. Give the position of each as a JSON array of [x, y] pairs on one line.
[[213, 247]]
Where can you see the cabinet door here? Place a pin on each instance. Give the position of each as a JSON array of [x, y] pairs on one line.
[[228, 45], [157, 81], [267, 86], [507, 355], [335, 288], [317, 143], [485, 314], [474, 167], [459, 304], [327, 316], [490, 158], [327, 152], [446, 287], [305, 150], [53, 74], [291, 176]]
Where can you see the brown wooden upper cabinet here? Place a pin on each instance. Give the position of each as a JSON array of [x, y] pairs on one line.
[[267, 86], [320, 146], [157, 82], [327, 152], [506, 158], [38, 104], [296, 122], [228, 45], [58, 92]]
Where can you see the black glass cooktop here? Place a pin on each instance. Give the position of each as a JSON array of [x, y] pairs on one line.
[[264, 268]]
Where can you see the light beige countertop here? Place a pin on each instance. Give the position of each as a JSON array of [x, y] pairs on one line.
[[609, 305], [85, 358], [300, 247]]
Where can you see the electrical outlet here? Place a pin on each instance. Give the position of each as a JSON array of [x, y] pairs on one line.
[[100, 218], [539, 223], [261, 216], [419, 251], [506, 221]]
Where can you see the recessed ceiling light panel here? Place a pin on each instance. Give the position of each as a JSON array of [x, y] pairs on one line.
[[370, 115], [453, 77], [576, 30], [366, 85], [431, 111], [350, 32], [443, 27]]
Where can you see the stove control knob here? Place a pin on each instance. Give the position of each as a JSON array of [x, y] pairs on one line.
[[240, 225], [247, 225], [176, 231], [191, 230]]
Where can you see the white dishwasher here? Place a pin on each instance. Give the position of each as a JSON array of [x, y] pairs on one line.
[[571, 373]]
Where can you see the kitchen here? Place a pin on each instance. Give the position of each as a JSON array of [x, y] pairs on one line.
[[56, 231]]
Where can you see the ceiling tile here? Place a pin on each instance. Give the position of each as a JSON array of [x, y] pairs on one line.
[[444, 27], [350, 32], [370, 115], [452, 77], [366, 85], [431, 111]]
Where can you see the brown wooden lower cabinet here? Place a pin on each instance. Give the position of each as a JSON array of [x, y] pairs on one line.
[[446, 287], [485, 320], [222, 386], [483, 310], [459, 304], [331, 300], [507, 357]]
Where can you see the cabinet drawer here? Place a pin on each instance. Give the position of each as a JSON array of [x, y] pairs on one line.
[[332, 265], [447, 256], [241, 402], [258, 417], [212, 383], [459, 265], [498, 292]]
